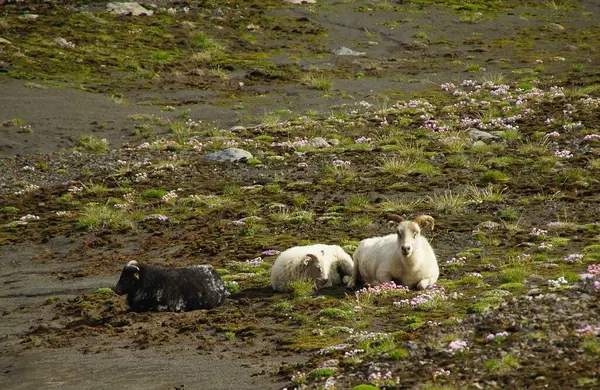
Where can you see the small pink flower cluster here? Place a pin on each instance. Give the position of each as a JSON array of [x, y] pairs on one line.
[[591, 137], [270, 252], [353, 353], [254, 262], [456, 261], [594, 269], [331, 349], [431, 295], [28, 188], [330, 363], [158, 217], [457, 346], [296, 143], [440, 372], [168, 196], [382, 289], [588, 330], [340, 163], [538, 232], [64, 213], [496, 337], [563, 154], [362, 140], [554, 134], [447, 86], [377, 376], [573, 257]]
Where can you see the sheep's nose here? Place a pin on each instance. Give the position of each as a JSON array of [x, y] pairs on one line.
[[406, 250]]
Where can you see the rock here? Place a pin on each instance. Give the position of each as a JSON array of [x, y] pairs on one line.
[[29, 17], [237, 128], [344, 51], [231, 154], [333, 142], [318, 143], [5, 41], [300, 1], [62, 42], [476, 135], [478, 144], [128, 8], [555, 27]]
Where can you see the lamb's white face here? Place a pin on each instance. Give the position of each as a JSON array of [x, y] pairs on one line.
[[316, 270], [408, 233]]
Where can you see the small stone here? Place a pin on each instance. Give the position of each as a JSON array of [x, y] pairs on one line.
[[478, 144], [555, 27], [477, 135], [29, 17], [318, 143], [344, 51], [300, 1], [128, 8], [5, 41], [237, 128], [333, 142], [231, 154]]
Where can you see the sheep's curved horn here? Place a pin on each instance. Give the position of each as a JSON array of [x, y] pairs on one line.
[[395, 218], [133, 264], [310, 258], [425, 220]]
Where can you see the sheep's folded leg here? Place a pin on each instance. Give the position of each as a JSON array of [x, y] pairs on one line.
[[422, 285]]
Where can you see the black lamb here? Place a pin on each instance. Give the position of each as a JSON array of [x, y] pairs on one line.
[[170, 289]]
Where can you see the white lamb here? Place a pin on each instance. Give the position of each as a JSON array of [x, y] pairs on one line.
[[327, 265], [403, 256]]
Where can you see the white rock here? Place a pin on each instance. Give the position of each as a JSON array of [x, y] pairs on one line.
[[344, 51], [477, 135], [231, 154], [128, 8], [5, 41]]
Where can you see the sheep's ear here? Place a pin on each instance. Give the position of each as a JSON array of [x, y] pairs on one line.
[[425, 221], [322, 252], [392, 225], [136, 275]]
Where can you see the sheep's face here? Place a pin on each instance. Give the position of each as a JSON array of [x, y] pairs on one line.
[[315, 269], [129, 280], [408, 233]]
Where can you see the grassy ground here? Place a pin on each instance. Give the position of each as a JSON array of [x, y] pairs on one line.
[[516, 215]]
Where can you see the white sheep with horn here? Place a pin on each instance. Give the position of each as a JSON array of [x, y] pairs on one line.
[[405, 256]]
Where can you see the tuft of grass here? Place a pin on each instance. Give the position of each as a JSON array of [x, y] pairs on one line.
[[506, 364], [154, 194], [337, 313], [495, 176], [515, 273], [398, 166], [490, 194], [399, 206], [448, 201], [318, 82], [98, 217], [301, 288], [93, 144]]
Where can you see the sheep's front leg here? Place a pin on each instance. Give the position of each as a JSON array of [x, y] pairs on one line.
[[423, 284], [383, 276], [351, 283]]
